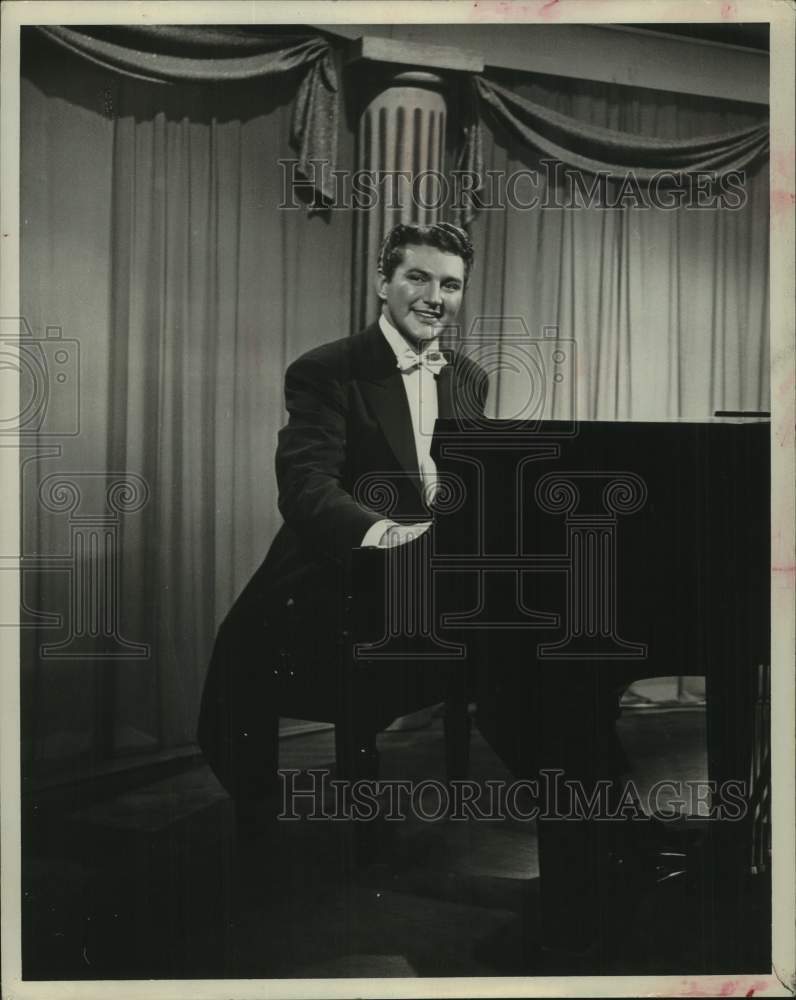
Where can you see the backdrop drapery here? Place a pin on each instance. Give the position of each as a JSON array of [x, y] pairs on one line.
[[174, 54], [152, 234], [668, 308], [597, 148]]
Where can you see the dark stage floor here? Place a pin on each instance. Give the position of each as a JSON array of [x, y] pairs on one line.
[[153, 883]]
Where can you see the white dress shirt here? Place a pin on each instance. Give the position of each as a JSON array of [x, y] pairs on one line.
[[421, 394]]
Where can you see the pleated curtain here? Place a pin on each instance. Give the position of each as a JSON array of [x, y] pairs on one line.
[[668, 309], [152, 235]]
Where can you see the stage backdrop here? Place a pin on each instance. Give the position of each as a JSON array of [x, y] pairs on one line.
[[152, 236], [668, 309]]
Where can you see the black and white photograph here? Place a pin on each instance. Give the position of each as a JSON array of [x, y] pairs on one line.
[[397, 428]]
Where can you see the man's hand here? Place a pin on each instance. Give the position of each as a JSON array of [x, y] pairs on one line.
[[400, 534]]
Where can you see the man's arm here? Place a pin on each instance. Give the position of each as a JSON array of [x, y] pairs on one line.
[[311, 459], [387, 534]]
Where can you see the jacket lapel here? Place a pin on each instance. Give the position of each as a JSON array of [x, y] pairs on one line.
[[381, 384]]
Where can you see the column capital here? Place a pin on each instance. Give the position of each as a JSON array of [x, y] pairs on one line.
[[414, 55], [399, 77]]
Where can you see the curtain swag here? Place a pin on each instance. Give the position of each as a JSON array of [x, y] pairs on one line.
[[598, 150], [166, 54]]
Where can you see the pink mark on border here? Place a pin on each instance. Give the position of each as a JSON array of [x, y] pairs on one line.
[[513, 10], [693, 990], [728, 10], [729, 988], [782, 200], [548, 8], [508, 10]]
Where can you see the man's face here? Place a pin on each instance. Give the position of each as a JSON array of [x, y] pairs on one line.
[[424, 293]]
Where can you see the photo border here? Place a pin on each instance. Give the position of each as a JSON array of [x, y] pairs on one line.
[[780, 15]]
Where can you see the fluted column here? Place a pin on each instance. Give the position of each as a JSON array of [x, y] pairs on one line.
[[401, 144]]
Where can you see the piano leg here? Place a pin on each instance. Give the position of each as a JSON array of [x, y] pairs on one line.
[[355, 729], [356, 751], [569, 890], [567, 757], [548, 720], [357, 759], [258, 792], [727, 879], [457, 728]]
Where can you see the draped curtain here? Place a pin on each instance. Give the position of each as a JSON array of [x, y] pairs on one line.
[[599, 148], [221, 55], [152, 236], [668, 309]]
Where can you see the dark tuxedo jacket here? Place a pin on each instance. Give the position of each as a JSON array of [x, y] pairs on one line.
[[345, 459]]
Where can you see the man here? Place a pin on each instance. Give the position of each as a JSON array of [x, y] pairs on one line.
[[361, 413], [354, 468]]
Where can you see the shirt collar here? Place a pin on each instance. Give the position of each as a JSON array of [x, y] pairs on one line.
[[399, 343]]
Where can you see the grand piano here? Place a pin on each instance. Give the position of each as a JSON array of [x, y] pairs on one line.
[[586, 556]]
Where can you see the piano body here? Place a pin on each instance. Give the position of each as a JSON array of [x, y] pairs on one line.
[[611, 551]]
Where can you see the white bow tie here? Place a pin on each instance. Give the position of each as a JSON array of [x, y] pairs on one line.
[[432, 360]]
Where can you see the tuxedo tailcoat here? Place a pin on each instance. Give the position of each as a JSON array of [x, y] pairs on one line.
[[345, 459]]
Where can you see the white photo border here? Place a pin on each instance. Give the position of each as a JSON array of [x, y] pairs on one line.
[[781, 15]]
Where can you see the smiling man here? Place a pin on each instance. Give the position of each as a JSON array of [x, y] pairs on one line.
[[354, 468], [421, 288]]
